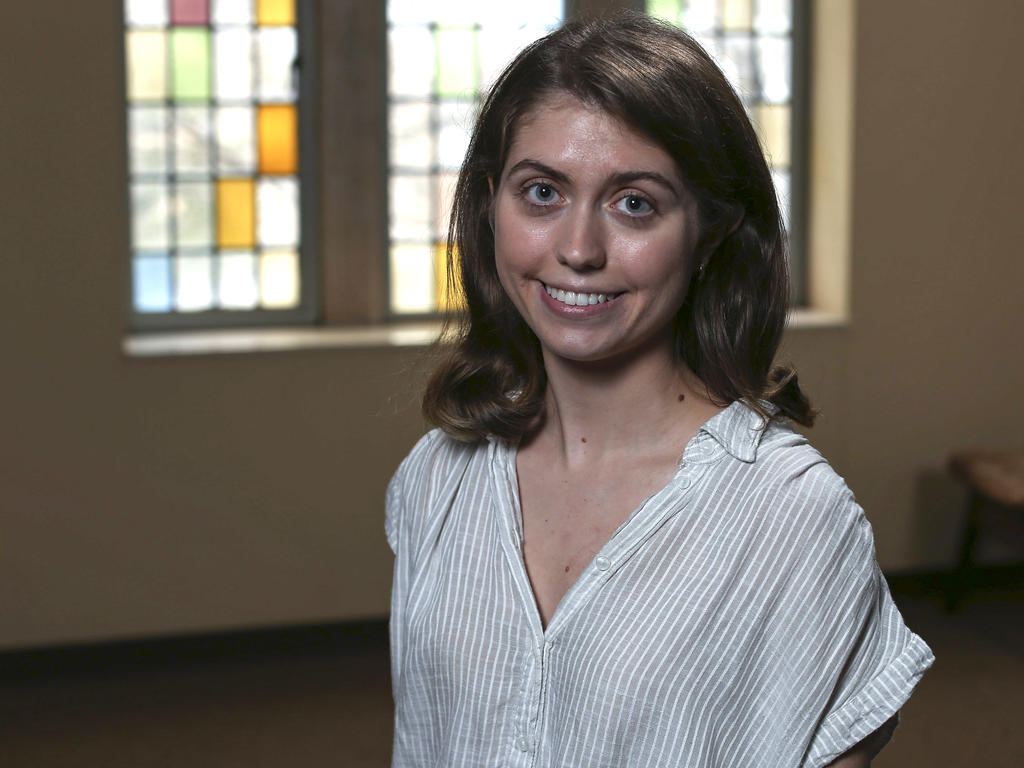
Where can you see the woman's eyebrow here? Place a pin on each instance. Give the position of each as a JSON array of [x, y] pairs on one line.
[[536, 165], [629, 177]]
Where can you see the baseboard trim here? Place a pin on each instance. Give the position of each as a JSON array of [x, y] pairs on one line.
[[124, 656]]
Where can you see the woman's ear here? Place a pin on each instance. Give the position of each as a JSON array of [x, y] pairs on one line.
[[707, 248]]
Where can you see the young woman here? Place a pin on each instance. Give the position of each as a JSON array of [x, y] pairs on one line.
[[615, 551]]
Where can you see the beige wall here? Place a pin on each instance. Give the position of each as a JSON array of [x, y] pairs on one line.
[[150, 496]]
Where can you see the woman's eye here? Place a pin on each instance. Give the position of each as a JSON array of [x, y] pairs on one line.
[[541, 194], [634, 205]]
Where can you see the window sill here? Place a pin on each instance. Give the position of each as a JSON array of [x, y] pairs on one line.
[[249, 340], [805, 318], [257, 340]]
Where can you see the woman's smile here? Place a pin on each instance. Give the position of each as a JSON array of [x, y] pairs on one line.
[[594, 232]]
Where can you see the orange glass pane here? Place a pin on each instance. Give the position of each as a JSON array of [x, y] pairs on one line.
[[236, 218], [446, 301], [279, 140], [275, 12]]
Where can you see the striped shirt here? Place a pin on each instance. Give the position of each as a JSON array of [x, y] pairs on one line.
[[737, 618]]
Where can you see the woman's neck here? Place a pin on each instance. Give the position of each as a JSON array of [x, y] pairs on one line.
[[597, 414]]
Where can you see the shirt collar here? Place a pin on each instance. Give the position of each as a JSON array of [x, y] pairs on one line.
[[739, 428]]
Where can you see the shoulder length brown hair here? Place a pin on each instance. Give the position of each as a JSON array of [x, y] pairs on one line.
[[659, 81]]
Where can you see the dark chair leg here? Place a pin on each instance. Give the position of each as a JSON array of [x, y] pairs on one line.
[[961, 577]]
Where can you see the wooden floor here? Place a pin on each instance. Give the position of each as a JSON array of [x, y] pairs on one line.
[[301, 703]]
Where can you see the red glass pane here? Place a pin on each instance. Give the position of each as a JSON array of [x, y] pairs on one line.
[[190, 12]]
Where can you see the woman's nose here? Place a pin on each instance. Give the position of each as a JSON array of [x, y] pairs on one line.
[[581, 243]]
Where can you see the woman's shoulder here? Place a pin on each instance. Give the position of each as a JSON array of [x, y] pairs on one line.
[[432, 469], [434, 456], [771, 455], [776, 474], [810, 498]]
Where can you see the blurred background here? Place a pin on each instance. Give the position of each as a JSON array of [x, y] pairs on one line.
[[213, 338]]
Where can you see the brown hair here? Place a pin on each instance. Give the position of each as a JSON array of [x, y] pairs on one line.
[[660, 82]]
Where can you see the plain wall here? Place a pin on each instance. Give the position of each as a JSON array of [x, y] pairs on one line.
[[183, 494]]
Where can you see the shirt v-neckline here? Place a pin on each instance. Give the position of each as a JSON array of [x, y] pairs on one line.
[[639, 525]]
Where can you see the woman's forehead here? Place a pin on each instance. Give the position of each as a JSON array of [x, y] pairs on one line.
[[562, 128]]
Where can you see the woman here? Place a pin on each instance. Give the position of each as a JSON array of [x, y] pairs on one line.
[[615, 551]]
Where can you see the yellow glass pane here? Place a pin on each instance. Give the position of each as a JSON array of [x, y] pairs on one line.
[[446, 301], [772, 123], [279, 140], [236, 218], [276, 12], [147, 64], [738, 14]]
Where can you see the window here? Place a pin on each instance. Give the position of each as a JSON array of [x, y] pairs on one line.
[[213, 144], [760, 45], [227, 209], [443, 56]]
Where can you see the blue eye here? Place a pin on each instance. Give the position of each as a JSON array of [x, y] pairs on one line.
[[541, 194], [634, 205]]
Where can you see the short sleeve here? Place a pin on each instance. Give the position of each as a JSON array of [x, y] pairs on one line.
[[393, 508], [413, 475], [879, 661]]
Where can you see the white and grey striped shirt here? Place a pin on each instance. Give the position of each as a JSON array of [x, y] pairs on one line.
[[737, 618]]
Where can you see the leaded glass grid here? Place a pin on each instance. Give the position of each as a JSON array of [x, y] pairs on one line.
[[442, 55], [752, 41], [213, 144]]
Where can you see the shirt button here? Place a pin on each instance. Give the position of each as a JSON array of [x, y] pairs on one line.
[[523, 744], [602, 563], [684, 481]]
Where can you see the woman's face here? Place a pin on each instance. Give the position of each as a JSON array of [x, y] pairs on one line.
[[594, 234]]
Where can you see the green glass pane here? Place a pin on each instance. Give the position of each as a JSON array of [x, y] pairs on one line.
[[664, 9], [190, 64], [457, 62]]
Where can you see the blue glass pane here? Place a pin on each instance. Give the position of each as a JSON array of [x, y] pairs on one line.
[[151, 283]]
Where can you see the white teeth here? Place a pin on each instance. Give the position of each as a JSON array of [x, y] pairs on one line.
[[574, 299]]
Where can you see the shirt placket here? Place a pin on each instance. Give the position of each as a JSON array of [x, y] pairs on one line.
[[529, 715], [527, 712]]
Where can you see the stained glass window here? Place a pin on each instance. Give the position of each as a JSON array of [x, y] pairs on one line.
[[213, 141], [443, 55], [752, 41]]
